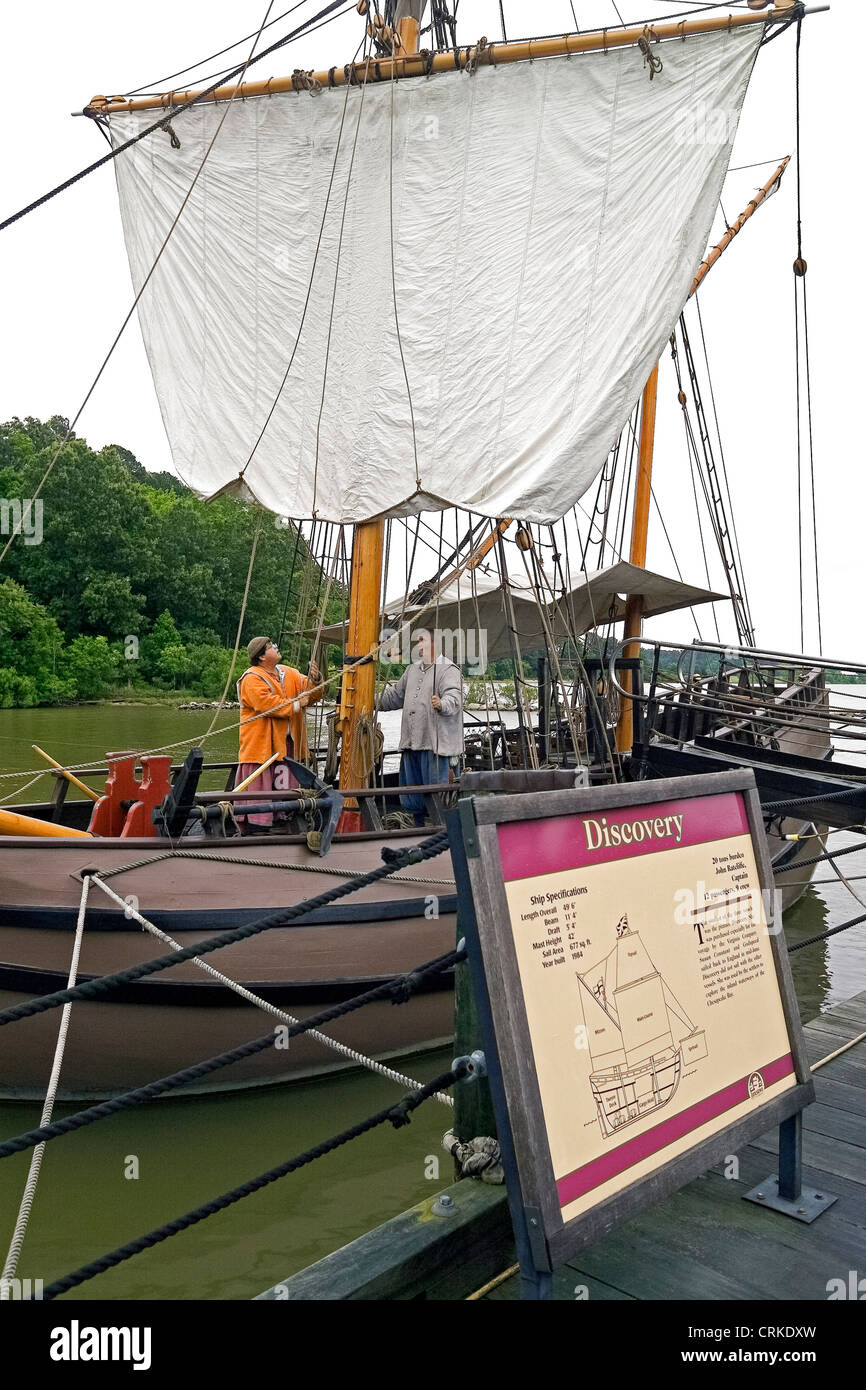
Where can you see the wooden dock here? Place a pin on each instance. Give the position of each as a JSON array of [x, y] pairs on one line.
[[704, 1242]]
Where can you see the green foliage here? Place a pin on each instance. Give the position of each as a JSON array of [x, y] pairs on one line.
[[132, 554], [173, 664], [164, 634], [92, 664], [30, 644]]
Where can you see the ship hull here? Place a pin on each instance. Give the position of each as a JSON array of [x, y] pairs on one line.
[[158, 1025], [623, 1095]]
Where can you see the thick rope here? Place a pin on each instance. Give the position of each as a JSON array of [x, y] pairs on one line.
[[398, 1115], [105, 983], [21, 1223], [823, 935], [263, 1004], [775, 807], [399, 990]]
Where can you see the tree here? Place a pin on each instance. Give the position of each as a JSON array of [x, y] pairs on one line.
[[163, 634], [94, 529], [92, 664], [109, 605], [30, 645], [173, 663]]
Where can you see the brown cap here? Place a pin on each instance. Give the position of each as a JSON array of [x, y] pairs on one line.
[[257, 647]]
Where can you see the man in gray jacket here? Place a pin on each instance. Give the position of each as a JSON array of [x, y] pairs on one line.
[[430, 694]]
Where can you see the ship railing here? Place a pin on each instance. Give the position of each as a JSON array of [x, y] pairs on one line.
[[750, 694]]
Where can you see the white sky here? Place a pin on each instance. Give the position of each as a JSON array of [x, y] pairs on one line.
[[65, 285]]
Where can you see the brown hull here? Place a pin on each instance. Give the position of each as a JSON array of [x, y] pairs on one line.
[[175, 1018]]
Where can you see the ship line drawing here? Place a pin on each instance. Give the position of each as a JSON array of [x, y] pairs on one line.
[[639, 1035]]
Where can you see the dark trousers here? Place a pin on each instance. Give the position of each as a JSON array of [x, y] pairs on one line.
[[419, 767]]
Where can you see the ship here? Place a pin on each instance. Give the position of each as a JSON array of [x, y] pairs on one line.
[[438, 277]]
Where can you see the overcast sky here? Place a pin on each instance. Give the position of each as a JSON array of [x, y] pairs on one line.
[[66, 284]]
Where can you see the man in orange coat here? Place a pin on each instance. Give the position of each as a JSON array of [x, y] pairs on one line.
[[273, 699]]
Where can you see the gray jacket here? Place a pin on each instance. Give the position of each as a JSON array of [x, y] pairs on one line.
[[440, 731]]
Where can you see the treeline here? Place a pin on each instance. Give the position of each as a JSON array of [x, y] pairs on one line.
[[125, 581]]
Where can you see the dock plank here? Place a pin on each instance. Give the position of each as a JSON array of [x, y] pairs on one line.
[[568, 1287], [836, 1124], [841, 1094]]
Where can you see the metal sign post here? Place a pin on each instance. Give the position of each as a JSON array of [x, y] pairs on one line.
[[634, 992]]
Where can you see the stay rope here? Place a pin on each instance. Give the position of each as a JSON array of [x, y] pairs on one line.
[[268, 1008], [22, 1220], [103, 986], [397, 1115]]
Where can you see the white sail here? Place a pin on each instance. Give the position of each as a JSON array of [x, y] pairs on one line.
[[548, 219]]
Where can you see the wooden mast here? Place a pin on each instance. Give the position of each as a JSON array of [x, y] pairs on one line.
[[637, 555], [357, 696]]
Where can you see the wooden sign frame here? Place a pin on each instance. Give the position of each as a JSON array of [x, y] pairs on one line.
[[545, 1240]]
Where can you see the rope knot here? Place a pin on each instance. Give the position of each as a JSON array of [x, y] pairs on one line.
[[403, 989], [305, 81], [399, 1114], [649, 58]]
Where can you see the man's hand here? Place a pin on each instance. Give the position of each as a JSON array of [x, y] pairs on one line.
[[314, 672], [436, 702]]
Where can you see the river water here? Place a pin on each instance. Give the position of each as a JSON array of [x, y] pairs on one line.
[[186, 1151]]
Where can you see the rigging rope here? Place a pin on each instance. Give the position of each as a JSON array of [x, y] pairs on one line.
[[243, 613], [394, 281], [259, 1002], [398, 1115], [280, 388], [158, 84], [23, 1218], [71, 427], [336, 270], [173, 111]]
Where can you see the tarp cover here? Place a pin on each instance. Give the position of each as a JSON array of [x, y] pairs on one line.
[[548, 219], [480, 609]]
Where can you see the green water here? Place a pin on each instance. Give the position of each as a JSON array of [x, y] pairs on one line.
[[190, 1150]]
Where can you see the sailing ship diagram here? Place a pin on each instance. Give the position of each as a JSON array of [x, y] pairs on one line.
[[639, 1035]]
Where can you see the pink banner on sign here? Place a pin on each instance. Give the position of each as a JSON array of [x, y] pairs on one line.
[[644, 1145], [549, 846]]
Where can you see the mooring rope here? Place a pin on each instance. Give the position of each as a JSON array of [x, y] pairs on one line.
[[775, 807], [369, 1062], [399, 989], [398, 1115], [822, 936], [23, 1218]]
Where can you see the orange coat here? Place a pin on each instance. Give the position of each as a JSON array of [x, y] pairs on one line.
[[260, 691]]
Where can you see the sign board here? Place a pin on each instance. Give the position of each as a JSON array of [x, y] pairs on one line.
[[640, 1011]]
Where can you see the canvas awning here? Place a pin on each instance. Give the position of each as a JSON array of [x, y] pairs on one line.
[[599, 597], [479, 604]]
